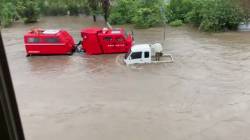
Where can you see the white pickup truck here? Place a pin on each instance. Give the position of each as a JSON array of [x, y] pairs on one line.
[[147, 53]]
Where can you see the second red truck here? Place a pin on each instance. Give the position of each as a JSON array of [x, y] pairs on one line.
[[106, 41]]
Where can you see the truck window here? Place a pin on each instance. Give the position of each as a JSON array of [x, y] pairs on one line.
[[52, 40], [33, 40], [108, 38], [146, 54], [119, 39], [136, 55]]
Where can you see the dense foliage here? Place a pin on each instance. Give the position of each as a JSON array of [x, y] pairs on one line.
[[245, 4], [28, 10], [149, 13], [176, 23], [207, 15], [8, 14], [64, 7], [216, 15], [123, 11], [143, 13], [11, 10], [177, 10]]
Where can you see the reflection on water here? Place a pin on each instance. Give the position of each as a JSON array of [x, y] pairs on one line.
[[43, 64]]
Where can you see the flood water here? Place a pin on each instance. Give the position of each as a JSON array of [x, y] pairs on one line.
[[203, 95]]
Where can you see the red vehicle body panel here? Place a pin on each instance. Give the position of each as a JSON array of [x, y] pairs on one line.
[[105, 41], [48, 42]]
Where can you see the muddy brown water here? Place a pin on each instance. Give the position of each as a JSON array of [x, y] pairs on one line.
[[204, 94]]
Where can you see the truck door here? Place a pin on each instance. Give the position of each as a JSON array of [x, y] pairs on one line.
[[147, 57], [120, 44], [136, 58]]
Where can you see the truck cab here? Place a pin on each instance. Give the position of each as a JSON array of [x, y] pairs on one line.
[[106, 41], [139, 54]]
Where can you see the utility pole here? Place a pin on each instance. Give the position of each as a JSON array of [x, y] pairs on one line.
[[164, 24]]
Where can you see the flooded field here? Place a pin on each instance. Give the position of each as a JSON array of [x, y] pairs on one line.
[[203, 95]]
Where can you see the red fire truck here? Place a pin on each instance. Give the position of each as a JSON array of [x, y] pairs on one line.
[[45, 42], [106, 40]]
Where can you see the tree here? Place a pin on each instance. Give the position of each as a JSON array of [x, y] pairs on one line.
[[105, 7], [28, 10], [123, 11], [215, 15], [7, 14], [149, 13], [94, 6], [245, 4]]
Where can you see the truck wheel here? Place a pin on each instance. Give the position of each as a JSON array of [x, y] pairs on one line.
[[28, 55]]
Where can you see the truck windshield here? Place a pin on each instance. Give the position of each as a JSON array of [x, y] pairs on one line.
[[52, 40]]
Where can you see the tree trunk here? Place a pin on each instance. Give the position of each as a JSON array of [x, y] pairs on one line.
[[94, 18], [106, 17], [106, 6]]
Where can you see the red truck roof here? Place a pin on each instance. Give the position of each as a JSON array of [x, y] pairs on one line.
[[92, 30]]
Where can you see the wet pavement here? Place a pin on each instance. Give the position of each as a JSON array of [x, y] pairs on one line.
[[203, 95]]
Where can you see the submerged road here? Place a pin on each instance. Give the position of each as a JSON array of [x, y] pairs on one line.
[[204, 95]]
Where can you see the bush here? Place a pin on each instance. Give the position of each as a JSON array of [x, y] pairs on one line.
[[245, 5], [147, 17], [55, 9], [123, 12], [208, 15], [176, 23], [117, 18], [216, 15], [142, 13], [149, 14], [62, 7], [73, 9], [177, 9], [7, 14], [142, 18], [28, 10], [85, 9], [195, 15]]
